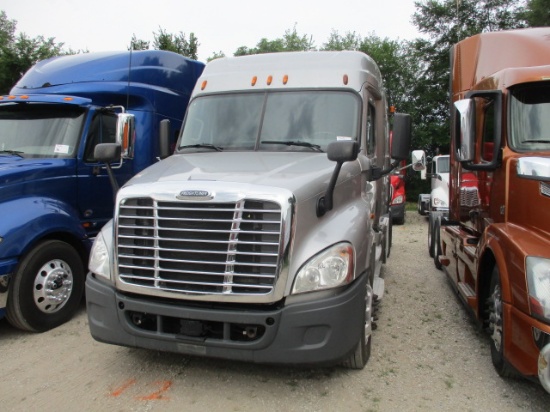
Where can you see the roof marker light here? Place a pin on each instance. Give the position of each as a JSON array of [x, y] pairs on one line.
[[68, 99], [269, 80], [254, 80], [11, 97], [285, 79], [203, 85], [345, 79]]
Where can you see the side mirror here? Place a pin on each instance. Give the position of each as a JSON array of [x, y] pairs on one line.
[[125, 134], [465, 130], [401, 140], [107, 153], [164, 139], [339, 151], [418, 160]]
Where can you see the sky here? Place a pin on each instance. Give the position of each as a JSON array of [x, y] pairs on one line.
[[219, 25]]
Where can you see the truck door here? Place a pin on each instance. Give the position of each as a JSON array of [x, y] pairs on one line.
[[95, 195]]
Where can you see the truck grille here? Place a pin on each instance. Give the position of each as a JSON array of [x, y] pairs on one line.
[[199, 248]]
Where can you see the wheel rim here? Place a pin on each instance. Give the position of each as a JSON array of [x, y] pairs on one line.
[[53, 285], [496, 318], [368, 313]]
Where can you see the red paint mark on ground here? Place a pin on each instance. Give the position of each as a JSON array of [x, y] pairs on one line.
[[157, 395], [118, 391]]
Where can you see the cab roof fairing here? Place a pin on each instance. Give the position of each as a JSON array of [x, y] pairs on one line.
[[305, 70]]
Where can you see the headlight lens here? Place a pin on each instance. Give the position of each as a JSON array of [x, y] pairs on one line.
[[99, 263], [538, 282], [398, 200], [332, 268], [439, 202]]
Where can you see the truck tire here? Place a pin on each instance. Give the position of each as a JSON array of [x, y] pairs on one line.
[[436, 241], [431, 234], [47, 287], [361, 354], [495, 327], [387, 242]]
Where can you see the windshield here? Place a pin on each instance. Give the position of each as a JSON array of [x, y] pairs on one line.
[[29, 130], [530, 117], [274, 121], [443, 165]]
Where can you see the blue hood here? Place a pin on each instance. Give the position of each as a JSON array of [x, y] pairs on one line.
[[36, 177]]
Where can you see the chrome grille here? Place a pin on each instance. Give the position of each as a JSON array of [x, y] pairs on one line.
[[199, 248]]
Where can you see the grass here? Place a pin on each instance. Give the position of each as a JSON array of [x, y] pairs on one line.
[[411, 207]]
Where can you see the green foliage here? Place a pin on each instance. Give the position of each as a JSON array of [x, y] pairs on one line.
[[138, 44], [19, 53], [350, 41], [291, 41], [537, 13], [445, 22], [177, 43], [216, 55]]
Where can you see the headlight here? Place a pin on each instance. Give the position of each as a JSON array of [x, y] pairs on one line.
[[439, 202], [398, 200], [538, 282], [331, 268], [100, 263]]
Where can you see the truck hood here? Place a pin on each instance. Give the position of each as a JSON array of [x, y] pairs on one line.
[[18, 174], [304, 174]]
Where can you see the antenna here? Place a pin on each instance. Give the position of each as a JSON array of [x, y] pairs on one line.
[[129, 71]]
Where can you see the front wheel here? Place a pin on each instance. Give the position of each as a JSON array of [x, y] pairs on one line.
[[430, 234], [436, 243], [47, 287], [360, 356], [496, 327]]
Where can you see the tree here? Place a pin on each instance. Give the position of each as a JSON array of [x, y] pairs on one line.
[[138, 44], [537, 13], [445, 22], [19, 53], [177, 43], [291, 41], [216, 55], [350, 41]]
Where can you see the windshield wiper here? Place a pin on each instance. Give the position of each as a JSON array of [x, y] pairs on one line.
[[536, 141], [201, 145], [12, 152], [315, 147]]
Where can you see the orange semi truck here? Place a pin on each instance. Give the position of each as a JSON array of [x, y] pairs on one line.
[[495, 242]]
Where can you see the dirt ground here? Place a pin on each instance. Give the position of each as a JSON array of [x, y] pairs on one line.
[[427, 355]]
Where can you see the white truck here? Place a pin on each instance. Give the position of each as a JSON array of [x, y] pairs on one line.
[[436, 203], [261, 239]]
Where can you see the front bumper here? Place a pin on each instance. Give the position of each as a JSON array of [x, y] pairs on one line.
[[321, 331]]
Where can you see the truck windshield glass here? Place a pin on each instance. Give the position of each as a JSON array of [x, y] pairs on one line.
[[42, 131], [443, 165], [274, 121], [530, 118]]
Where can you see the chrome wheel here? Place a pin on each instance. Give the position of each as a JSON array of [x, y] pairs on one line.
[[53, 285]]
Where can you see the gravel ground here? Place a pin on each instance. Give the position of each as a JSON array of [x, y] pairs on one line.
[[427, 355]]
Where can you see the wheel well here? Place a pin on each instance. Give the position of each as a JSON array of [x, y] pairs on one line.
[[485, 271], [76, 243]]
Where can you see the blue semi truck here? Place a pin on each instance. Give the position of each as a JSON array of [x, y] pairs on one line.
[[54, 195]]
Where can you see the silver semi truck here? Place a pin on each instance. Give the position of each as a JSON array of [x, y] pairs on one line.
[[261, 239]]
